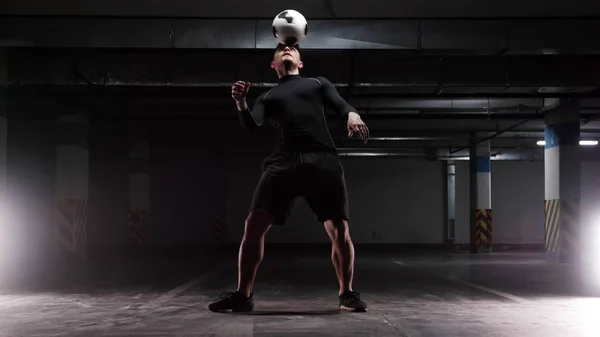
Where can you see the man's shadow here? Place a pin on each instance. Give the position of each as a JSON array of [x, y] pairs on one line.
[[291, 313]]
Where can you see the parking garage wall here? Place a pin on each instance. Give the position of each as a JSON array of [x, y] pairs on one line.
[[109, 187], [391, 201], [518, 200], [196, 176], [30, 184]]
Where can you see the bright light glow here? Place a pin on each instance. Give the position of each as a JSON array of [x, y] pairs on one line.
[[4, 243], [405, 138], [595, 253], [364, 154], [387, 138], [581, 142]]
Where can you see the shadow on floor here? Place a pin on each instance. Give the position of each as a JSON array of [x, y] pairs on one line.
[[291, 313]]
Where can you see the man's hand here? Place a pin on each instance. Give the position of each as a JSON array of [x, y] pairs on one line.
[[239, 90], [356, 125]]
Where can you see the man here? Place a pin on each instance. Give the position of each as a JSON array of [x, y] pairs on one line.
[[305, 163]]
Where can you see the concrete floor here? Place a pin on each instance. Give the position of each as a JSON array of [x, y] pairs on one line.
[[428, 294]]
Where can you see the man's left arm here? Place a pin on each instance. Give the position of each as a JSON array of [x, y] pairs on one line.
[[333, 99]]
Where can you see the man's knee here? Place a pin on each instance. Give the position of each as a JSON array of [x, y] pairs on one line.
[[338, 229], [257, 224]]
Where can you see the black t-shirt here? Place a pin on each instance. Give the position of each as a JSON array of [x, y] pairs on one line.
[[297, 105]]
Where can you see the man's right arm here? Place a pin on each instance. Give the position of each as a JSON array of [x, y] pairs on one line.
[[251, 119]]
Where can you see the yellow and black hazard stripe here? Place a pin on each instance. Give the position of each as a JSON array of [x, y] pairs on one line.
[[569, 246], [483, 227], [71, 226], [552, 224], [136, 225]]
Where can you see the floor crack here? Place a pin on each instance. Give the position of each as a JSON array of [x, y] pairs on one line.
[[400, 329]]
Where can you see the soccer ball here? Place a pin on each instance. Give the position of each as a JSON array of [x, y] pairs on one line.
[[290, 27]]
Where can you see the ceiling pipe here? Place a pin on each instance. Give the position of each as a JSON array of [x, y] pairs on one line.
[[512, 127], [529, 156], [411, 138]]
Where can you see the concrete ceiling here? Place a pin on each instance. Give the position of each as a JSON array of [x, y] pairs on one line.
[[311, 9], [430, 93], [370, 74]]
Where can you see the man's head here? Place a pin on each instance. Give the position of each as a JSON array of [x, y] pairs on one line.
[[286, 60]]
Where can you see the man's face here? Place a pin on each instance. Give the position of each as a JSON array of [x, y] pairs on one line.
[[287, 56]]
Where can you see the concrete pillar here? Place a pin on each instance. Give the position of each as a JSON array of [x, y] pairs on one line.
[[449, 232], [481, 196], [483, 213], [72, 184], [562, 168], [139, 193]]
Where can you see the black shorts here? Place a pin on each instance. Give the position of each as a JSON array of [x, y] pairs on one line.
[[316, 176]]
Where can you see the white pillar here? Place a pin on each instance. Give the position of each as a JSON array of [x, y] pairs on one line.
[[139, 193], [72, 184], [484, 176], [483, 213], [450, 230], [562, 165], [481, 196]]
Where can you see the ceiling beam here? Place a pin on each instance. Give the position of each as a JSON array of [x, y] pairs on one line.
[[210, 73], [266, 9], [465, 36]]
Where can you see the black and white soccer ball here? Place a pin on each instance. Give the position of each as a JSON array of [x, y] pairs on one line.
[[290, 27]]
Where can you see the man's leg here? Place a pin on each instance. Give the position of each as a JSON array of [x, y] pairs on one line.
[[250, 255], [252, 250], [324, 188], [343, 261], [336, 264], [273, 197], [342, 252], [249, 258]]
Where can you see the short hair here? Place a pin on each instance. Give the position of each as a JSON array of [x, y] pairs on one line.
[[281, 46]]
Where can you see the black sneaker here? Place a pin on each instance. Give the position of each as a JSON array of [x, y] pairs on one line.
[[350, 301], [232, 302]]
